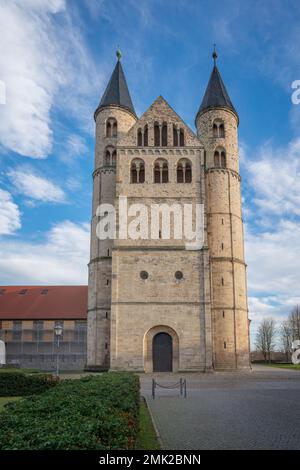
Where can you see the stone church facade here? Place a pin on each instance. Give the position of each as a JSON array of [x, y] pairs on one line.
[[154, 305]]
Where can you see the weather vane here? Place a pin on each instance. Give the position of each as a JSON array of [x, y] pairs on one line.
[[215, 55]]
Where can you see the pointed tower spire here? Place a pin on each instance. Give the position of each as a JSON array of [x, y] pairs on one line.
[[216, 95], [117, 93]]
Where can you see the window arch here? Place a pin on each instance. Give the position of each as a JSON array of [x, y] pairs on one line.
[[220, 158], [139, 137], [218, 129], [184, 171], [111, 127], [137, 171], [156, 135], [164, 135], [161, 171]]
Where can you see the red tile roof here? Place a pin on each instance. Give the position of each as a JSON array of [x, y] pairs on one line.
[[57, 302]]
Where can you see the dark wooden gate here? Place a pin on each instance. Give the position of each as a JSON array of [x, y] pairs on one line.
[[162, 351]]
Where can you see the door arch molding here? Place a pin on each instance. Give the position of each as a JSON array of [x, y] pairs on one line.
[[148, 345]]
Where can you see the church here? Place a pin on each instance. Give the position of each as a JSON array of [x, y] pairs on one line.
[[155, 305]]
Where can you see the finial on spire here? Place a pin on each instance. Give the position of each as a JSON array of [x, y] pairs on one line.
[[215, 55], [118, 54]]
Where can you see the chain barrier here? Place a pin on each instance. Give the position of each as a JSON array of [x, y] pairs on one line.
[[181, 385]]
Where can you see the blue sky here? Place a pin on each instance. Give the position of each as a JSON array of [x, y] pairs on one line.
[[56, 57]]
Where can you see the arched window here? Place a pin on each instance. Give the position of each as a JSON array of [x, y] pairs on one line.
[[220, 158], [218, 129], [156, 135], [137, 171], [223, 160], [184, 171], [115, 129], [107, 158], [111, 127], [175, 136], [161, 171], [139, 138], [221, 130], [164, 135], [110, 156], [108, 129], [146, 136], [215, 130], [114, 158], [181, 138]]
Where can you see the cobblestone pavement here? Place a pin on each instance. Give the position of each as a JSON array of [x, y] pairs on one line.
[[254, 410]]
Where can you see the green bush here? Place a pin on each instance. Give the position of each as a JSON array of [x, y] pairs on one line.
[[90, 413], [16, 384]]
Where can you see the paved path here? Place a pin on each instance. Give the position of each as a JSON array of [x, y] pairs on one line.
[[256, 410]]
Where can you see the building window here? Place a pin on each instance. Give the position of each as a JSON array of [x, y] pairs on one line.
[[179, 275], [114, 158], [80, 330], [220, 158], [156, 135], [225, 345], [175, 136], [218, 129], [146, 136], [161, 171], [181, 138], [17, 330], [38, 327], [2, 291], [137, 171], [164, 135], [139, 138], [23, 292], [184, 171], [144, 275], [111, 127]]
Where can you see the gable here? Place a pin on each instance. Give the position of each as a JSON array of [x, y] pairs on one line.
[[160, 111]]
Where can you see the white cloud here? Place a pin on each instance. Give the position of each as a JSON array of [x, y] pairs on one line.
[[44, 63], [61, 259], [275, 178], [33, 186], [10, 217]]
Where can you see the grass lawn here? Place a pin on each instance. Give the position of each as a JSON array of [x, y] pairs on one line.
[[285, 366], [147, 439], [4, 400], [4, 370]]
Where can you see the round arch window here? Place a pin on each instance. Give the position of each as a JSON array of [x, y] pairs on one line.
[[179, 275], [144, 275]]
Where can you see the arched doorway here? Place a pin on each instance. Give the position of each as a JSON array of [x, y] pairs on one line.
[[148, 345], [162, 351]]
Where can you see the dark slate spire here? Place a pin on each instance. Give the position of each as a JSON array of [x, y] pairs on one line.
[[117, 92], [216, 95]]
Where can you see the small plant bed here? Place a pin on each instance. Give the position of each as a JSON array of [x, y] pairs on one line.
[[147, 439], [5, 400], [90, 413]]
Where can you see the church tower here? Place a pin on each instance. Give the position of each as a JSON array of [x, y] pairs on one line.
[[114, 117], [217, 122]]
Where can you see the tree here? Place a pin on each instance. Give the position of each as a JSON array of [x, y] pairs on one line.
[[285, 333], [294, 321], [265, 337]]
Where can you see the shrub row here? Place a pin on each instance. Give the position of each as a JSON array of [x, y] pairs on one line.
[[96, 412], [16, 384]]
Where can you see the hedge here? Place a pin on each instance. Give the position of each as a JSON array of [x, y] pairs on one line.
[[16, 384], [96, 412]]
